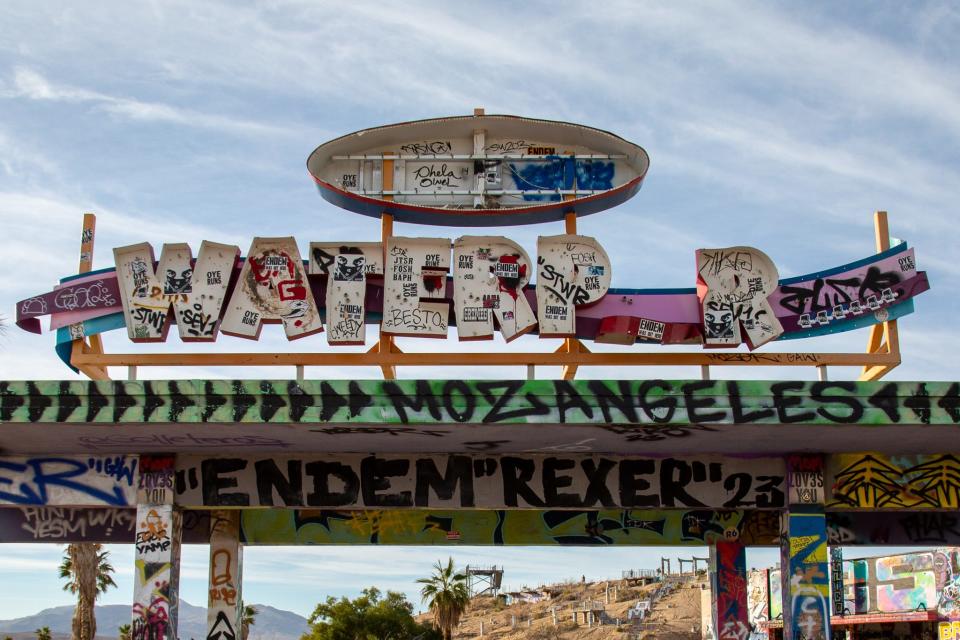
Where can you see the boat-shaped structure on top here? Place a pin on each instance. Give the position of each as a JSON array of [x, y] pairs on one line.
[[480, 170]]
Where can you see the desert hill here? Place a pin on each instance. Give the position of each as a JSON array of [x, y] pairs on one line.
[[530, 614]]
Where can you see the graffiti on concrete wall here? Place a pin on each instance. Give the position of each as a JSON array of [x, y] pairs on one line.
[[901, 583], [730, 589], [157, 573], [647, 402], [485, 482], [836, 580], [905, 528], [691, 527], [224, 599], [875, 481], [155, 483], [64, 524], [776, 593], [807, 577], [526, 527], [68, 480], [758, 605], [805, 479]]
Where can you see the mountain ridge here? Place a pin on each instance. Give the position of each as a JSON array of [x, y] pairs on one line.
[[270, 624]]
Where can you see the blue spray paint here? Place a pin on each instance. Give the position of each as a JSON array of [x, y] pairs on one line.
[[595, 174], [552, 173]]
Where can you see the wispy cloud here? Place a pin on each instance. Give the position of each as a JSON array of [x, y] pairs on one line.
[[30, 84]]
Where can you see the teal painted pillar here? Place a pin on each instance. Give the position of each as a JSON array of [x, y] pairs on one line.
[[728, 580], [803, 553]]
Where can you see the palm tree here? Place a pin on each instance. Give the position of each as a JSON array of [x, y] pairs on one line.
[[43, 633], [448, 597], [87, 571], [124, 631], [248, 616]]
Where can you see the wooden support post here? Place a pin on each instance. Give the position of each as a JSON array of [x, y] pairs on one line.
[[884, 338], [93, 344], [385, 344]]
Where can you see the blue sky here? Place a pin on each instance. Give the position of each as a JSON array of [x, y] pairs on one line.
[[777, 125]]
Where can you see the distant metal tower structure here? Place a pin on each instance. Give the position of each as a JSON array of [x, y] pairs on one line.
[[481, 580]]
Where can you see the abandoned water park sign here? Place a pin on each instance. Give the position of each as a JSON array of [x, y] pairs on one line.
[[481, 170]]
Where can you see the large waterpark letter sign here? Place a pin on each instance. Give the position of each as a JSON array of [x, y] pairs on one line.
[[737, 290], [471, 171], [489, 277]]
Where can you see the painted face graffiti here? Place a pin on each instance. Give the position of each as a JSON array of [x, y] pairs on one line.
[[174, 284], [718, 320]]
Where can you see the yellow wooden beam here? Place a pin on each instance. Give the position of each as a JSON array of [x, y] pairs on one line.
[[884, 338], [395, 357]]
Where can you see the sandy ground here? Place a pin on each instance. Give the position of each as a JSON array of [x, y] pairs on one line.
[[675, 617]]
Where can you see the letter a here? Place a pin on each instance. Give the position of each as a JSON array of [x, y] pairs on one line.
[[272, 287]]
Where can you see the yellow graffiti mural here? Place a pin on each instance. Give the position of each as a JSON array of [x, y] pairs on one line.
[[488, 527], [876, 481]]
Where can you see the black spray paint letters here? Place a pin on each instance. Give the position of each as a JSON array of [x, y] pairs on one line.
[[475, 481], [650, 401]]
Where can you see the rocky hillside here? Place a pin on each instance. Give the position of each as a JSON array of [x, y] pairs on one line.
[[675, 615]]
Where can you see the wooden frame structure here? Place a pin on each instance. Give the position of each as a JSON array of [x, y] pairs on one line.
[[881, 356]]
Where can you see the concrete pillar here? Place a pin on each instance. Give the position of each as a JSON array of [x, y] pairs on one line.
[[157, 573], [554, 612], [803, 554], [836, 580], [729, 584], [513, 622], [481, 628], [224, 585]]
